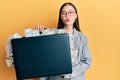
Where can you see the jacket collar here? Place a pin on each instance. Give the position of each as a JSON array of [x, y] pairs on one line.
[[75, 32]]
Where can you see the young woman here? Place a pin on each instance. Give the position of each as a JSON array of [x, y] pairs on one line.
[[81, 59]]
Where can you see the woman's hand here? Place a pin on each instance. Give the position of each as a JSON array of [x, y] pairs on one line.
[[62, 75], [40, 28]]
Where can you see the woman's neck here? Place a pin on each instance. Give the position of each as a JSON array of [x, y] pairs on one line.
[[68, 29]]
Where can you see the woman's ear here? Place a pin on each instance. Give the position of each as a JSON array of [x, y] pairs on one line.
[[76, 16]]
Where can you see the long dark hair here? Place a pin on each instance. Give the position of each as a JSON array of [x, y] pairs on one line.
[[76, 23]]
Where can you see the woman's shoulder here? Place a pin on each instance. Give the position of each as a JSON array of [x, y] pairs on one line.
[[80, 34], [82, 37]]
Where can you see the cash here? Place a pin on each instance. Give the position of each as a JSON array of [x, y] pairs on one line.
[[30, 33], [10, 62]]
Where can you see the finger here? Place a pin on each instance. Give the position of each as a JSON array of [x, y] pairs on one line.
[[41, 27], [36, 28]]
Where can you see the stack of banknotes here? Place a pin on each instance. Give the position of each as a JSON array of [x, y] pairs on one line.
[[27, 33]]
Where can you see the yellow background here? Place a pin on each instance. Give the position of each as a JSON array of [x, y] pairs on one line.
[[99, 20]]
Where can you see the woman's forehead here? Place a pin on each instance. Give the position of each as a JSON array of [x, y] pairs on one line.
[[68, 8]]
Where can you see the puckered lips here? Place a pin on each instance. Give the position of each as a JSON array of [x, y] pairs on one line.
[[67, 20]]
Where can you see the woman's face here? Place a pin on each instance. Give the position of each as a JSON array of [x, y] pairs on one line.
[[68, 15]]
